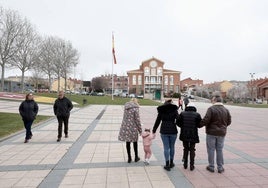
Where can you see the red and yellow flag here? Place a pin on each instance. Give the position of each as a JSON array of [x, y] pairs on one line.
[[113, 49]]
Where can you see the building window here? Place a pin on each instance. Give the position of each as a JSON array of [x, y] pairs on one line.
[[153, 71], [159, 80], [159, 71], [134, 80], [177, 89], [139, 80], [153, 79], [166, 80], [165, 89], [146, 79], [171, 80], [146, 71]]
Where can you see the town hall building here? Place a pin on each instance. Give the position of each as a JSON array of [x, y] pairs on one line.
[[153, 81]]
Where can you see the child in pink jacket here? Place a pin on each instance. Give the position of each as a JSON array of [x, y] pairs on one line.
[[147, 137]]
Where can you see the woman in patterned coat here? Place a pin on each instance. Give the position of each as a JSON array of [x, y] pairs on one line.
[[131, 127]]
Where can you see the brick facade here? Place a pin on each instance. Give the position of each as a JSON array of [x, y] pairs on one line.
[[152, 80]]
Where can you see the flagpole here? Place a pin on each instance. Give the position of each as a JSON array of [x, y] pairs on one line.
[[112, 66], [112, 79], [113, 62]]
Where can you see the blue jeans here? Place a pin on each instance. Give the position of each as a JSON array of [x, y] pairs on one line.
[[169, 145], [215, 143], [28, 127]]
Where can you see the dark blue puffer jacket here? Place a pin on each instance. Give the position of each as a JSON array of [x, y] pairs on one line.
[[189, 122], [28, 110]]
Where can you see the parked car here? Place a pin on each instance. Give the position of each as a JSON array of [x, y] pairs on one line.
[[124, 95], [140, 96], [76, 92], [84, 93], [258, 101], [132, 95], [100, 94], [93, 94], [116, 94]]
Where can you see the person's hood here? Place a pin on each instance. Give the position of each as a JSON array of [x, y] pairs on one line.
[[167, 108], [190, 108], [130, 105]]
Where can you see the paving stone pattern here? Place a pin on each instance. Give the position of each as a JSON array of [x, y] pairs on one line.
[[93, 157]]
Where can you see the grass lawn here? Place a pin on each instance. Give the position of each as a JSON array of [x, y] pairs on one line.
[[11, 123], [102, 100]]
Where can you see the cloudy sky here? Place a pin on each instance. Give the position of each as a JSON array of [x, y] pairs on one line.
[[211, 40]]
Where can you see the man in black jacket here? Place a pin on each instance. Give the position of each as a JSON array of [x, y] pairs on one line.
[[62, 108]]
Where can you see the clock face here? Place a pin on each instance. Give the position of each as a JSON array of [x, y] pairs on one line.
[[153, 63]]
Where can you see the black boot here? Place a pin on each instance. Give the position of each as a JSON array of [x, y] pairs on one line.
[[135, 144], [192, 156], [185, 158], [128, 152], [167, 167], [171, 165]]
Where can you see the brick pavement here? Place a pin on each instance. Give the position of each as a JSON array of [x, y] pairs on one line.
[[93, 157]]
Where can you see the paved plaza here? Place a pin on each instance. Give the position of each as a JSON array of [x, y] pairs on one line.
[[92, 156]]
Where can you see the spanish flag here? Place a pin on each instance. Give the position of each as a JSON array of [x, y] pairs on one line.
[[113, 49]]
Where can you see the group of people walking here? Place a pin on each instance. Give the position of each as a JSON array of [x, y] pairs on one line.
[[62, 107], [216, 121]]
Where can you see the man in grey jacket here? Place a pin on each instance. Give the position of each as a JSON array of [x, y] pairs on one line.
[[216, 120]]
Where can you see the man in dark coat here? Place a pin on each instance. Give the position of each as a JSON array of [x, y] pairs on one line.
[[189, 121], [62, 108], [216, 121]]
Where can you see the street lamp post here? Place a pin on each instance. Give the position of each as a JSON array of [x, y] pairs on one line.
[[251, 84]]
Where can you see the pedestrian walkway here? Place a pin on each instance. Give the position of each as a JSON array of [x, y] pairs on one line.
[[93, 157]]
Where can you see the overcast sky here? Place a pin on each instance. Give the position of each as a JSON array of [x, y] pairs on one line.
[[211, 40]]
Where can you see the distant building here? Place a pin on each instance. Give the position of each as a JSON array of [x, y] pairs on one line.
[[71, 85], [15, 86], [153, 81], [259, 88], [189, 84], [120, 84], [18, 78]]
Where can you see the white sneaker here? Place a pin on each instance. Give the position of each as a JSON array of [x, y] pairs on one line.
[[147, 161]]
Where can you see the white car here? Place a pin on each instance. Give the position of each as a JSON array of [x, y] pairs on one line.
[[132, 95]]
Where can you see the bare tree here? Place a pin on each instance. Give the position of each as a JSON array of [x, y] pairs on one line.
[[57, 57], [46, 58], [66, 57], [37, 78], [239, 92], [10, 29], [26, 43], [70, 60], [99, 84]]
